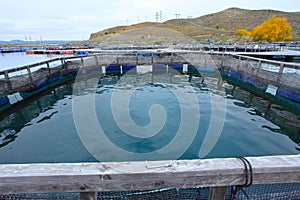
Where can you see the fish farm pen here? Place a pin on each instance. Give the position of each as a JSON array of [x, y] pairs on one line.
[[132, 171]]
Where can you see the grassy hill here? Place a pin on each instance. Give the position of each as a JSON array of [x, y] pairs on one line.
[[220, 26]]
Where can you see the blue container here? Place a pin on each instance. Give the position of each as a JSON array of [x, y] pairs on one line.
[[288, 95], [55, 78], [176, 66], [159, 67], [77, 52], [4, 100], [39, 85], [113, 69], [247, 79], [235, 74]]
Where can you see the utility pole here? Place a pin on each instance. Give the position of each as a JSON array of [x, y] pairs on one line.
[[156, 16], [177, 16], [160, 16]]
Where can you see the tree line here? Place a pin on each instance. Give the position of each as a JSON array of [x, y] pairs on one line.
[[275, 29]]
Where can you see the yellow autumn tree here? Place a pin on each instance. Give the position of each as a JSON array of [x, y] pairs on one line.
[[274, 29], [243, 32]]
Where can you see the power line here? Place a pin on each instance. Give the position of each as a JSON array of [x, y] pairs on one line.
[[177, 16]]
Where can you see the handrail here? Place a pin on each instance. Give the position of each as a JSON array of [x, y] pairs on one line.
[[16, 69], [275, 62], [124, 176]]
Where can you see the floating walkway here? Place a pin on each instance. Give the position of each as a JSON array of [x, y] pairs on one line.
[[58, 52], [287, 55]]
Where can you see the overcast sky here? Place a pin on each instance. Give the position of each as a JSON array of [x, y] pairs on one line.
[[76, 19]]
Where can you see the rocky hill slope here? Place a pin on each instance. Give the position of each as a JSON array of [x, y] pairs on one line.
[[220, 26]]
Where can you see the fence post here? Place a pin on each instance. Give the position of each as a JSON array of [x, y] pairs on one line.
[[30, 75], [96, 59], [88, 195], [48, 67], [280, 73], [64, 65], [217, 193], [82, 64], [151, 58], [259, 67], [7, 79]]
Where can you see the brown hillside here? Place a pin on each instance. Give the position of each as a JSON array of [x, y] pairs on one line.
[[220, 26]]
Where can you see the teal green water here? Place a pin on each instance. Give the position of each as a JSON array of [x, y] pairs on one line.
[[43, 129]]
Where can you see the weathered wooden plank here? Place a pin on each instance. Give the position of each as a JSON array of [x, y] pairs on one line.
[[86, 177]]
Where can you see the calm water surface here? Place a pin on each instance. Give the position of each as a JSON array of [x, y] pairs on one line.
[[43, 129]]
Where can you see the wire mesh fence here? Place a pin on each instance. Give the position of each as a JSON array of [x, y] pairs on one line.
[[287, 191]]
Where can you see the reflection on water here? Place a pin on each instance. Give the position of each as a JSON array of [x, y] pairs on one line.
[[42, 129]]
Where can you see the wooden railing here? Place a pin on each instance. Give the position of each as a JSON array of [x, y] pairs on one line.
[[68, 58], [88, 178]]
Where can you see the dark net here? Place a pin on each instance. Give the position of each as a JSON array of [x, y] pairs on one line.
[[290, 191]]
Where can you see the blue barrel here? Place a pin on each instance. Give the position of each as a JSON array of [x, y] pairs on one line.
[[78, 52], [39, 85], [249, 80], [235, 74], [113, 69], [52, 79], [4, 100], [127, 68], [288, 95]]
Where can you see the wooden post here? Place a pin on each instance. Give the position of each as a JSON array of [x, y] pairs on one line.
[[48, 67], [30, 75], [151, 58], [281, 68], [259, 67], [88, 195], [96, 59], [64, 64], [217, 193], [82, 64], [7, 79], [280, 73]]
